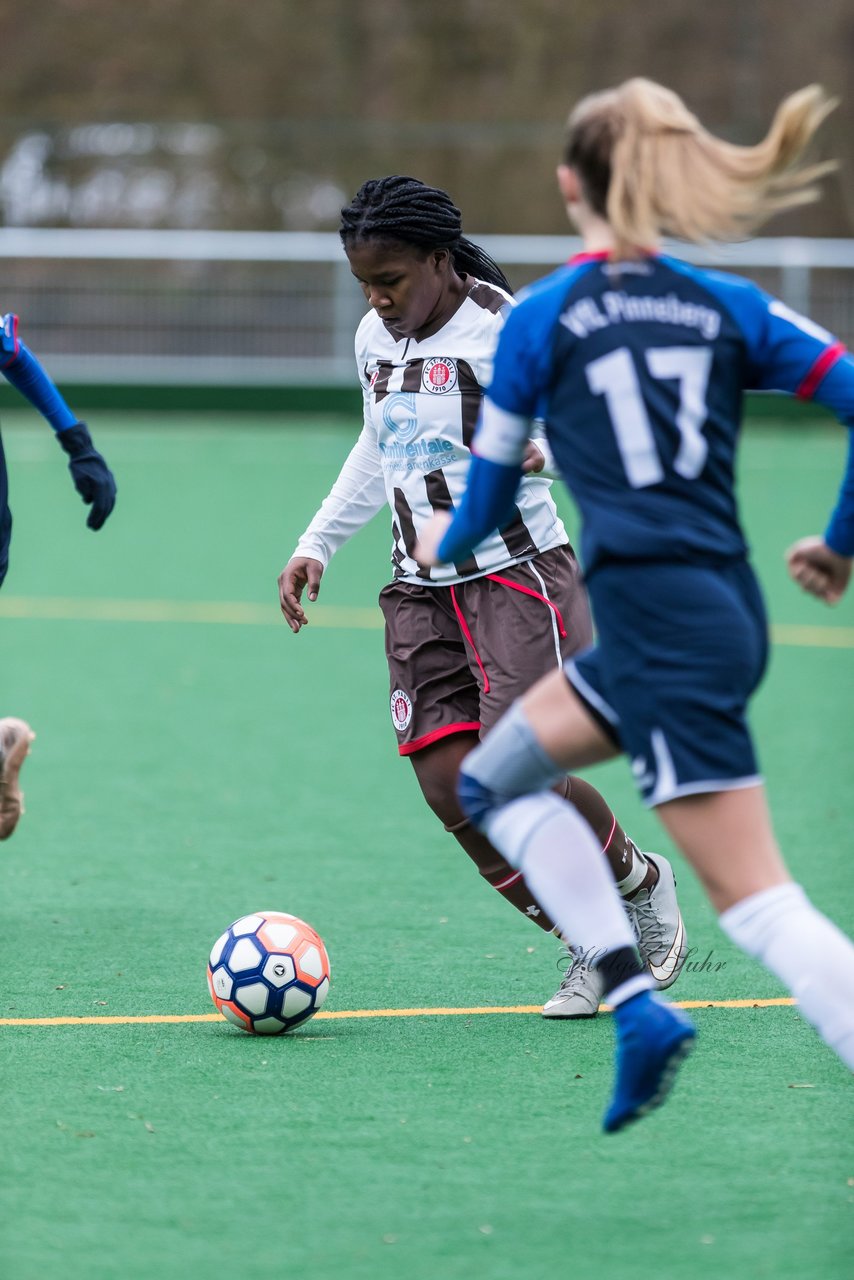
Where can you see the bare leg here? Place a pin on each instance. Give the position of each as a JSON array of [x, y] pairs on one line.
[[728, 839], [505, 789], [565, 729], [437, 767]]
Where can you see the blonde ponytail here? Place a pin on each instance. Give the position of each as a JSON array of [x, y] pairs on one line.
[[650, 168]]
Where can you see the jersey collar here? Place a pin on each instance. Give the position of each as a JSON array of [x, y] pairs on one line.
[[601, 255]]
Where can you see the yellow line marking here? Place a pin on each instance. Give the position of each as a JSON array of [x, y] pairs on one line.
[[813, 637], [228, 613], [336, 617], [126, 1019]]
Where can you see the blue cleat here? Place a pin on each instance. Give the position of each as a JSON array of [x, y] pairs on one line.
[[653, 1038]]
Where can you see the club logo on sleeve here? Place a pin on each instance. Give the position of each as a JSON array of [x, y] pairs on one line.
[[401, 710], [440, 375]]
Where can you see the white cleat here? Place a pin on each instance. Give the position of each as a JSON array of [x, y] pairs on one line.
[[579, 993], [657, 922], [15, 738]]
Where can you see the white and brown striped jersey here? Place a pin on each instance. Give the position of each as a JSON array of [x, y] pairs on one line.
[[421, 405]]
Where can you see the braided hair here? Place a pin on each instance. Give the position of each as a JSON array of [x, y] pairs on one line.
[[406, 210]]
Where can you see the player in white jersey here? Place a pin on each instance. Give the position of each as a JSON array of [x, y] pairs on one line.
[[421, 403], [462, 640]]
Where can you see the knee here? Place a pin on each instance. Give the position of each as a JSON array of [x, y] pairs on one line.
[[436, 769], [438, 789], [476, 800], [509, 822]]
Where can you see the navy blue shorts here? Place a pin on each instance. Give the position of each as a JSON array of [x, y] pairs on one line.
[[680, 650]]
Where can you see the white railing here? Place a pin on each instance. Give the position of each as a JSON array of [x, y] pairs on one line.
[[278, 308]]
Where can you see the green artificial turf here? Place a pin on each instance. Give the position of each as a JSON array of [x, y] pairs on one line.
[[186, 773]]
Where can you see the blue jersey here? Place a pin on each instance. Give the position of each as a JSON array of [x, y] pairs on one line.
[[639, 370]]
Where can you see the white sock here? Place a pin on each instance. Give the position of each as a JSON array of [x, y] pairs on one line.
[[782, 929], [564, 867], [636, 874]]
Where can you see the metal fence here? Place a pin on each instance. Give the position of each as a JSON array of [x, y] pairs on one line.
[[280, 308]]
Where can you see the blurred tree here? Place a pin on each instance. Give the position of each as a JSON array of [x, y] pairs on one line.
[[270, 114]]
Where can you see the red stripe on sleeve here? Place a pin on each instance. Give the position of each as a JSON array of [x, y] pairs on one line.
[[823, 364], [16, 341]]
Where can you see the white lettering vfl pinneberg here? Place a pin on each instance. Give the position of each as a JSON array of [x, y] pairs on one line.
[[586, 315]]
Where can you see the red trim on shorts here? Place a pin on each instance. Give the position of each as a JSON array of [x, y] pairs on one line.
[[465, 630], [823, 365], [529, 591], [407, 748], [505, 884]]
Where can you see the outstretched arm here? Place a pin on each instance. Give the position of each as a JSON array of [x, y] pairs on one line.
[[836, 390], [92, 477], [356, 496], [790, 352], [27, 375], [822, 565]]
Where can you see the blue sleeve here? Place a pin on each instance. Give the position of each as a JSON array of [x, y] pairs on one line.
[[521, 372], [836, 392], [487, 504], [785, 350], [789, 352], [793, 353], [522, 365], [798, 356], [21, 368]]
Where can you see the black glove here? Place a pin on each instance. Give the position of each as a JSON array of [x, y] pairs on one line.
[[92, 478]]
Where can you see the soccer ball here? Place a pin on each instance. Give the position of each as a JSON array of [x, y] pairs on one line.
[[268, 972]]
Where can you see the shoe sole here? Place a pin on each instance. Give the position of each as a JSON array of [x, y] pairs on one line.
[[11, 763], [570, 1017], [669, 1072]]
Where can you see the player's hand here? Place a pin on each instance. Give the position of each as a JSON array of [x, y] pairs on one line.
[[820, 571], [92, 478], [298, 573], [427, 546], [534, 459]]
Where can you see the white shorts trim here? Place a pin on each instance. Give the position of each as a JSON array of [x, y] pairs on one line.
[[589, 694], [545, 594], [702, 788]]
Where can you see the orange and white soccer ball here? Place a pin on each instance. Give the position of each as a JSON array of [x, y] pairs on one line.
[[268, 972]]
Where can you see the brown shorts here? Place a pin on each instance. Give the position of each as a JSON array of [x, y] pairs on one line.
[[458, 656]]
